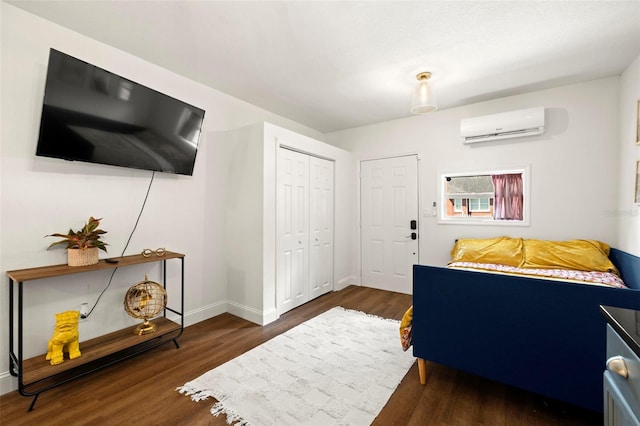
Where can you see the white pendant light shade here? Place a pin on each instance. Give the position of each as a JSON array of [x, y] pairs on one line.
[[423, 100]]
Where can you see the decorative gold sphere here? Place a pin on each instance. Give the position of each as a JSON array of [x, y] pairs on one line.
[[145, 300]]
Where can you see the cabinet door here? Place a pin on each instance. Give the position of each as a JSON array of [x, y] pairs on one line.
[[292, 288], [321, 226], [616, 410]]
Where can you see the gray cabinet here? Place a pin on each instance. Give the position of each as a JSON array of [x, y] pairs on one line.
[[621, 383]]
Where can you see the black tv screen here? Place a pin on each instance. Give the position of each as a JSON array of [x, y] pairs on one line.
[[92, 115]]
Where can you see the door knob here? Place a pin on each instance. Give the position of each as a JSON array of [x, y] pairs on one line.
[[617, 365], [413, 236]]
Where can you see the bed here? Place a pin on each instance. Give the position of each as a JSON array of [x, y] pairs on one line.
[[542, 334]]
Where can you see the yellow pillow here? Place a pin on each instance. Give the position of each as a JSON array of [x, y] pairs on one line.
[[502, 250], [580, 255]]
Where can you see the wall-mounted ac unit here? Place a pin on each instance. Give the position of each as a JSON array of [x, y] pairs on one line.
[[512, 124]]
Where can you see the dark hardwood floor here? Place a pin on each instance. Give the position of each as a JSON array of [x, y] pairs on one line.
[[142, 391]]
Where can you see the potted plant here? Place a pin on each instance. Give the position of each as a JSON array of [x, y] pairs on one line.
[[83, 245]]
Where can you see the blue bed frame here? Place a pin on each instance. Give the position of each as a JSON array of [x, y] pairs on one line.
[[543, 336]]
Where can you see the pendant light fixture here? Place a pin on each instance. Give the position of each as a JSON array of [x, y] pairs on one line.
[[423, 97]]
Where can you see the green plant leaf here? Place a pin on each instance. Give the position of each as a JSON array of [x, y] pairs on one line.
[[87, 237]]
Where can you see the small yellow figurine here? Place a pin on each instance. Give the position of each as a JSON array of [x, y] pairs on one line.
[[65, 338]]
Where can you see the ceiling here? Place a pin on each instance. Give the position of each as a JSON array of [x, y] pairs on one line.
[[333, 65]]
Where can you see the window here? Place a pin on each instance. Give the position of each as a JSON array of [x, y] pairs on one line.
[[479, 204], [497, 197]]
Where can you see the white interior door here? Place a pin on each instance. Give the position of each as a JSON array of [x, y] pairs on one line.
[[321, 226], [388, 205], [292, 280]]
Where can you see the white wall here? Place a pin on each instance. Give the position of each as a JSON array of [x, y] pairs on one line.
[[574, 164], [39, 196], [244, 223], [628, 214], [251, 216]]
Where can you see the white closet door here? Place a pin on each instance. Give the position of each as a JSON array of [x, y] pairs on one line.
[[321, 226], [292, 286]]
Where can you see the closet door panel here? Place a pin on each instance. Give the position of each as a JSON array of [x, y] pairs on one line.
[[321, 225], [293, 227]]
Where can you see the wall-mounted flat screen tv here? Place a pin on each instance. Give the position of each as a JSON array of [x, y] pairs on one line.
[[92, 115]]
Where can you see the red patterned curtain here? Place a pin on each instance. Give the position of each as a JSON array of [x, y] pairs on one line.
[[509, 197]]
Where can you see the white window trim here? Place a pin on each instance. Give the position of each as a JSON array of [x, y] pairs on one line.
[[486, 221]]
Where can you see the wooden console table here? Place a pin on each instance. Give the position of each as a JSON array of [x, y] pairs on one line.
[[36, 375]]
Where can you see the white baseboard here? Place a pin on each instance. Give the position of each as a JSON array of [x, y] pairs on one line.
[[346, 282], [251, 314], [8, 383], [204, 313]]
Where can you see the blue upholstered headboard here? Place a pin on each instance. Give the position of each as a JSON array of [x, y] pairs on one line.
[[628, 265]]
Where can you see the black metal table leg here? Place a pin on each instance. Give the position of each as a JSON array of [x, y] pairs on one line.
[[33, 402]]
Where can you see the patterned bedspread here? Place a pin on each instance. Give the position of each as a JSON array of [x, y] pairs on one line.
[[595, 278], [405, 329]]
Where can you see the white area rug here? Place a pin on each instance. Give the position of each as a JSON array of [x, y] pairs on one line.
[[340, 367]]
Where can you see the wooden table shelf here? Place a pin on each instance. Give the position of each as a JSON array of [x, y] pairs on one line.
[[36, 375], [31, 274], [38, 368]]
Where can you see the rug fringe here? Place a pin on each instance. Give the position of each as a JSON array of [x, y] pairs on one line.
[[217, 408], [195, 394], [232, 417], [369, 315]]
